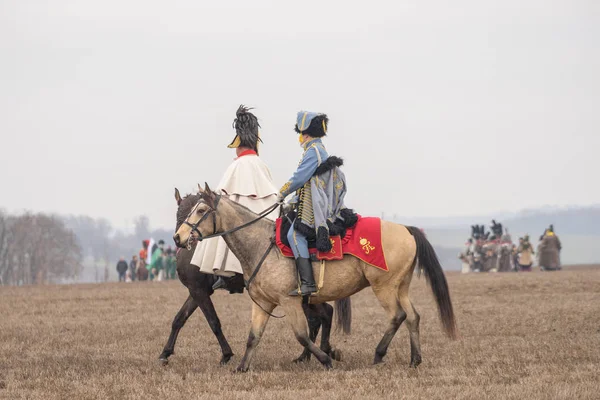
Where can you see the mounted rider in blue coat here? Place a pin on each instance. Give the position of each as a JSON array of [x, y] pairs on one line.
[[320, 188]]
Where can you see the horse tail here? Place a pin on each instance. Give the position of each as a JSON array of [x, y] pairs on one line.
[[430, 265], [343, 312]]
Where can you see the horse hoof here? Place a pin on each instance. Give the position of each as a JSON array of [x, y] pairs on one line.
[[163, 361], [336, 354], [415, 363], [301, 360], [240, 370], [226, 359], [328, 366]]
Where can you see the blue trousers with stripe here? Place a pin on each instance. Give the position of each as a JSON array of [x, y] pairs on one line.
[[298, 243]]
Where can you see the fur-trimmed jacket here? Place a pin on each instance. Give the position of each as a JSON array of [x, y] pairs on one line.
[[321, 212]]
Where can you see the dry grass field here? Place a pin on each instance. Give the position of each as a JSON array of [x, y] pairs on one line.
[[522, 336]]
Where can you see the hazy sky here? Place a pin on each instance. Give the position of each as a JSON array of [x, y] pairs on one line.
[[438, 108]]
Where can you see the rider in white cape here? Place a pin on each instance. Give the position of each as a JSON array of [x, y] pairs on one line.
[[247, 181]]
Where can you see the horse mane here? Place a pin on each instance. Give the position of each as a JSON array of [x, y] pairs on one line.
[[243, 207]]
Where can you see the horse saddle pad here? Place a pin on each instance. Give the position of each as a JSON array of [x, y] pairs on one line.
[[362, 241]]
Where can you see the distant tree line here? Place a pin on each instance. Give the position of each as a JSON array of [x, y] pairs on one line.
[[42, 248], [37, 248], [103, 245]]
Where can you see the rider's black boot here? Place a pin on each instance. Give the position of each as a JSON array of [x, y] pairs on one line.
[[307, 279]]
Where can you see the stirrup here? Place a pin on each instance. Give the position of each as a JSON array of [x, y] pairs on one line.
[[304, 291], [220, 284]]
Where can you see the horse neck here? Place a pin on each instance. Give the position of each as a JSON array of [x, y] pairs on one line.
[[247, 244]]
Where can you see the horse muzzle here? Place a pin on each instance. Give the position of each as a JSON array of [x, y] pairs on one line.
[[177, 240]]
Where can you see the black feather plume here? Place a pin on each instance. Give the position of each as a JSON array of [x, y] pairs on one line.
[[246, 126]]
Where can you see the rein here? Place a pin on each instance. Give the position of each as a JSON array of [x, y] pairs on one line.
[[260, 263], [254, 273], [212, 212]]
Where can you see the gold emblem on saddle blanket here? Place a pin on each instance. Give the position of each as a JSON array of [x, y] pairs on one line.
[[334, 253], [366, 245]]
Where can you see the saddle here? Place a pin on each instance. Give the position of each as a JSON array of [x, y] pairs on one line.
[[363, 241], [283, 226]]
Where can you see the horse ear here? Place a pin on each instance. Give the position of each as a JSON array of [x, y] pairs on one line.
[[207, 188], [177, 196], [209, 197], [200, 190]]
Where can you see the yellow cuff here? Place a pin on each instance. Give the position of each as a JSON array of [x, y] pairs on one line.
[[285, 188]]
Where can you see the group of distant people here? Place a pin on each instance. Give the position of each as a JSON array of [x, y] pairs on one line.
[[494, 251], [162, 264]]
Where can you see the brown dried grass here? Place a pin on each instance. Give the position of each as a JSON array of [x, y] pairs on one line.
[[522, 336]]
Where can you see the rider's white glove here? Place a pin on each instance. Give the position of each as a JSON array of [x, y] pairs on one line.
[[280, 199]]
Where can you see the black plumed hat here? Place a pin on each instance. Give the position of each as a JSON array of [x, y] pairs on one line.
[[246, 128]]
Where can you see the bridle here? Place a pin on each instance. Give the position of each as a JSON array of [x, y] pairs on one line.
[[212, 211]]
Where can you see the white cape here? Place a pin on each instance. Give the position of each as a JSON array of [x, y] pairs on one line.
[[247, 181]]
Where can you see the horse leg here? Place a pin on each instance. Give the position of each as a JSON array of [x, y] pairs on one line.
[[182, 316], [412, 322], [314, 324], [389, 300], [327, 323], [326, 313], [203, 300], [300, 327], [260, 317]]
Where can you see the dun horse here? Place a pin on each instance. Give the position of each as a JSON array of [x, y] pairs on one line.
[[200, 289], [404, 247]]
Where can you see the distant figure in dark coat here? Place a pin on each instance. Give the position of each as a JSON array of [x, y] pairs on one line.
[[549, 251], [122, 269], [133, 266]]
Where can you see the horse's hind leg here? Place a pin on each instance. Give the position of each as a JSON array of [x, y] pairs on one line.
[[412, 322], [326, 312], [179, 321], [203, 300], [389, 300], [314, 324]]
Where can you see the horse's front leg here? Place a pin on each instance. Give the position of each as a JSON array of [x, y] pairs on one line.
[[260, 317], [179, 321], [203, 300]]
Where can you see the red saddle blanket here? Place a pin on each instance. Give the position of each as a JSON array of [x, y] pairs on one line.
[[363, 241]]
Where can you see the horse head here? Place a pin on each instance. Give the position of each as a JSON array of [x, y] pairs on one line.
[[198, 222], [184, 206]]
